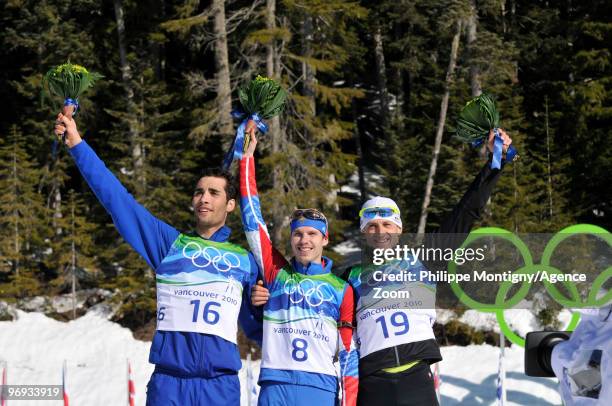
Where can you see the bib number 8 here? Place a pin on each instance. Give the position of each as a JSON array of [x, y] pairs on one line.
[[299, 351], [398, 319]]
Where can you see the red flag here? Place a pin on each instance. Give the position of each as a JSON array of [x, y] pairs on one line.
[[65, 385], [437, 381], [2, 399], [131, 388]]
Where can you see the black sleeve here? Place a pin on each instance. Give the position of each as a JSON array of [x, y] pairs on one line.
[[455, 227]]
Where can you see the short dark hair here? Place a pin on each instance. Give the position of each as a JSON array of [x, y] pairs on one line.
[[230, 183]]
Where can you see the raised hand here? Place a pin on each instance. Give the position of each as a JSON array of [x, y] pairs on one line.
[[505, 138], [251, 130], [65, 125]]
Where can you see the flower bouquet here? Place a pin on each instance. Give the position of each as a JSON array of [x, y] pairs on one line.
[[475, 122], [261, 99], [67, 82]]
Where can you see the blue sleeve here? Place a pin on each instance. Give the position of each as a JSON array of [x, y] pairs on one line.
[[251, 317], [149, 236]]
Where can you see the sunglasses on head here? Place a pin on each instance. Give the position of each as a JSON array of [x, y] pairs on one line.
[[373, 212], [311, 214]]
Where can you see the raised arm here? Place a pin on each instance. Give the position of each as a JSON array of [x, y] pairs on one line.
[[456, 226], [348, 356], [149, 236], [268, 258]]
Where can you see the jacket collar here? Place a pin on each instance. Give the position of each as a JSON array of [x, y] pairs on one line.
[[221, 235], [313, 268]]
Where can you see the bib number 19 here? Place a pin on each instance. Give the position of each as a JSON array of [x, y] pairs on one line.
[[209, 314], [399, 320], [299, 349]]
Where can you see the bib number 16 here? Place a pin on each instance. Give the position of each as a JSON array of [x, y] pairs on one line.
[[209, 314]]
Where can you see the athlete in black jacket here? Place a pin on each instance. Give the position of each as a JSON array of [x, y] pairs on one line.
[[397, 344]]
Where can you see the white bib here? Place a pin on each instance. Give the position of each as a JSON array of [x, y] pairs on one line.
[[211, 308], [392, 312], [378, 329], [305, 345]]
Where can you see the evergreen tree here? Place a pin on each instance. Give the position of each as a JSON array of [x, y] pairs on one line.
[[149, 161], [73, 254], [310, 162], [20, 210]]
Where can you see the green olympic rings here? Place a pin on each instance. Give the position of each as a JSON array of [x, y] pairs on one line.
[[598, 283], [525, 253], [529, 268]]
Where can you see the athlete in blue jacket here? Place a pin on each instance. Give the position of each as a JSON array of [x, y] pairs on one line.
[[203, 283]]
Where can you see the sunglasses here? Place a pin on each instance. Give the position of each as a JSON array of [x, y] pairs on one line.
[[373, 212], [311, 214]]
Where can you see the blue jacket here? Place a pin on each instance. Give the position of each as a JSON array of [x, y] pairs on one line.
[[184, 354]]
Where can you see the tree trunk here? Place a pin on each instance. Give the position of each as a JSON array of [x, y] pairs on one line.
[[126, 77], [224, 88], [472, 25], [381, 79], [73, 261], [271, 46], [383, 93], [440, 130], [159, 49], [550, 187], [332, 195], [360, 161], [475, 82], [16, 211], [515, 219], [274, 133], [307, 72], [56, 205], [403, 97], [503, 15]]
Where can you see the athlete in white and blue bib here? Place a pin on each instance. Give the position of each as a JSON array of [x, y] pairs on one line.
[[308, 318], [203, 284]]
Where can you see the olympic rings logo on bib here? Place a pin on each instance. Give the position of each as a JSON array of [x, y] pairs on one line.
[[306, 290], [222, 262]]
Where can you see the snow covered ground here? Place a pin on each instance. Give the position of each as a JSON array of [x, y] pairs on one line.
[[96, 350]]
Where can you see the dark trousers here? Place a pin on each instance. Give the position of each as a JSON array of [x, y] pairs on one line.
[[413, 387]]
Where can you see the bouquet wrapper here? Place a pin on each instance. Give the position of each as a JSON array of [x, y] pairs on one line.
[[498, 147], [69, 109], [241, 141]]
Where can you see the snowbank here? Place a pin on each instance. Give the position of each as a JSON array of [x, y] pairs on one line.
[[34, 348]]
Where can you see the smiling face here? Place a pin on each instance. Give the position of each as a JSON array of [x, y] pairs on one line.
[[381, 233], [210, 203], [307, 245]]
